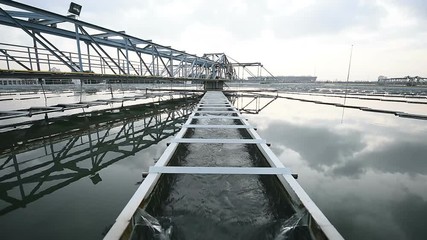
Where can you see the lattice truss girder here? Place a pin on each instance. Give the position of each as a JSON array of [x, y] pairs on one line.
[[106, 51]]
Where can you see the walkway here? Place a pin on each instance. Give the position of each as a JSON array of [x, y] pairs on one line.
[[214, 105]]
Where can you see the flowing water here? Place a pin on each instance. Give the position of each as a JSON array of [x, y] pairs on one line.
[[222, 206]]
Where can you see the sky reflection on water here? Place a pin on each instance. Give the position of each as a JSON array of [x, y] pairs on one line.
[[367, 174]]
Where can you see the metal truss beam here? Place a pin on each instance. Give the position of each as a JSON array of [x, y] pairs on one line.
[[35, 22], [14, 59], [34, 34], [252, 103]]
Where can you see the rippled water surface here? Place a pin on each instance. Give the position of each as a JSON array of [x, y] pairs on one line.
[[222, 206]]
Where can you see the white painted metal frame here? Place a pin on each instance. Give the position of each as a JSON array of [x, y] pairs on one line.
[[219, 117], [220, 170], [216, 126], [211, 112], [218, 140], [298, 196]]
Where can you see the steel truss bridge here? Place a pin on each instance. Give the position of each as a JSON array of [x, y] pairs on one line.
[[100, 53]]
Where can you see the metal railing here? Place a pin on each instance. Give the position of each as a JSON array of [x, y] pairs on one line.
[[38, 59]]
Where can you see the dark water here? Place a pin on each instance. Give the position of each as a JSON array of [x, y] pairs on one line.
[[71, 179], [367, 174], [222, 206]]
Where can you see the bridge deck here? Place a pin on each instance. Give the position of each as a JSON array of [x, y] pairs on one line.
[[299, 198], [28, 74]]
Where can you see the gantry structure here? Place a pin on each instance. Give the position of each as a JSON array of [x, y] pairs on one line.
[[98, 52]]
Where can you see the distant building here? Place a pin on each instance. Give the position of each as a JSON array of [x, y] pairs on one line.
[[408, 80], [54, 69], [284, 79], [18, 81], [382, 78]]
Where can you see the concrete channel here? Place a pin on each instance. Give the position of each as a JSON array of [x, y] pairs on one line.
[[218, 179]]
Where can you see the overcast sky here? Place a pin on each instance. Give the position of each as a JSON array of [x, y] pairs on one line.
[[290, 37]]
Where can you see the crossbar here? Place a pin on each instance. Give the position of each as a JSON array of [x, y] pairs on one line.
[[218, 117], [216, 111], [214, 104], [216, 126], [222, 107], [219, 140], [220, 170]]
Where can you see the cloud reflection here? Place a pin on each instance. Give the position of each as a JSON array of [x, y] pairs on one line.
[[367, 176], [359, 217], [320, 147], [409, 214], [348, 153], [404, 157]]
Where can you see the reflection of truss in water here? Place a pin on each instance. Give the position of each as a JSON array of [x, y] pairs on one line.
[[93, 144], [251, 102]]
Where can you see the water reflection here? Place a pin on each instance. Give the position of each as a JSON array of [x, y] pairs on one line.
[[320, 147], [251, 102], [398, 157], [38, 161], [367, 175], [409, 213]]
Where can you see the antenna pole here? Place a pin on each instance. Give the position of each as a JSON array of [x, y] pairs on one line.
[[346, 84]]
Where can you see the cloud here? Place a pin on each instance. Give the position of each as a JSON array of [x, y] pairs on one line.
[[243, 19], [288, 36], [416, 7], [171, 18], [328, 17]]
